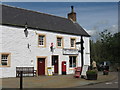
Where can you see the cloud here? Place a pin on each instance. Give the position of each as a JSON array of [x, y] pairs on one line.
[[91, 32], [95, 32], [113, 29]]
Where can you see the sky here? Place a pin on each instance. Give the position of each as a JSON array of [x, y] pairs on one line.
[[60, 0], [94, 17]]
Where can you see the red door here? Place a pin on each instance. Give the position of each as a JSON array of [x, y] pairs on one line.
[[41, 66], [56, 65]]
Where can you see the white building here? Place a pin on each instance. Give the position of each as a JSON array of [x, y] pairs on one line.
[[43, 31]]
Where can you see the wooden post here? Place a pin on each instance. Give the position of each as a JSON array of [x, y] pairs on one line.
[[21, 79]]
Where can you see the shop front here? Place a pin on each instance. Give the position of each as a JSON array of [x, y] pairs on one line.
[[72, 59]]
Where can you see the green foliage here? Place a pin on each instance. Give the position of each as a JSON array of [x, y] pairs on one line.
[[107, 48], [91, 72]]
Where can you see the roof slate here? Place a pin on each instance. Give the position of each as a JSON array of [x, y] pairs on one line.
[[18, 17]]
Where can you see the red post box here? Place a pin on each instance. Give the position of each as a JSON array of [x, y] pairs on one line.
[[63, 67]]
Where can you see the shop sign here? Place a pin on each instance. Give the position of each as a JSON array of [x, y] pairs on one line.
[[70, 52], [49, 69]]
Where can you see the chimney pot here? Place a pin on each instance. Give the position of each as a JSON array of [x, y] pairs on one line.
[[72, 15], [72, 8]]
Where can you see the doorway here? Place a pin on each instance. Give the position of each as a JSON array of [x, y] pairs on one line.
[[41, 66], [55, 63]]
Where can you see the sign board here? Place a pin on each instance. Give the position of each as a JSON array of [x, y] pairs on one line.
[[84, 70], [70, 52], [49, 69]]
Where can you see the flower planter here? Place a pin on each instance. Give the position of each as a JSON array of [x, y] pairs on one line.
[[91, 76]]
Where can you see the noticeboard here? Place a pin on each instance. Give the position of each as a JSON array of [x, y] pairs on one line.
[[84, 70], [49, 70]]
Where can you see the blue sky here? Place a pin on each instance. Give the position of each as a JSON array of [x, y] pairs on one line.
[[93, 16]]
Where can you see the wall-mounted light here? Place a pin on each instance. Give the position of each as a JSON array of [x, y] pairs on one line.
[[26, 31], [51, 47], [29, 46]]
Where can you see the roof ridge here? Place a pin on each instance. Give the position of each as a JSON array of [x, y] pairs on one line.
[[34, 11]]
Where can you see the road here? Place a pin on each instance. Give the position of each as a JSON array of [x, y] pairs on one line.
[[110, 84]]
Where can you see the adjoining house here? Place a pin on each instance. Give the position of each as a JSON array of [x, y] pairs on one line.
[[39, 40]]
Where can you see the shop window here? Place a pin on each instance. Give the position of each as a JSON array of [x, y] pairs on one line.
[[5, 59], [72, 61]]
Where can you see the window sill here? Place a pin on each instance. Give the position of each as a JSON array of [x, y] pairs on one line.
[[59, 47], [72, 47], [72, 68], [41, 46], [4, 66]]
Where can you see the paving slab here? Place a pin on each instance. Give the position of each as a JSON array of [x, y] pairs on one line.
[[58, 81]]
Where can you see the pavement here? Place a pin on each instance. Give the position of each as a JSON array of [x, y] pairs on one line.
[[57, 81]]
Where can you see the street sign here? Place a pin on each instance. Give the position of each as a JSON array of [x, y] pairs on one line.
[[78, 42]]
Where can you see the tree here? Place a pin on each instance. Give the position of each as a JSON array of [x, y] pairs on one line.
[[115, 48], [107, 48]]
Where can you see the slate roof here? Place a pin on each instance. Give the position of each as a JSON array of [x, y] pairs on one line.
[[18, 17]]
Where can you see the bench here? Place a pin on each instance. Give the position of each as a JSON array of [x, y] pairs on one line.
[[27, 71]]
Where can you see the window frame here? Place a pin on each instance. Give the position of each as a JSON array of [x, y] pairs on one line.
[[8, 59], [44, 40], [74, 43], [62, 42], [72, 61]]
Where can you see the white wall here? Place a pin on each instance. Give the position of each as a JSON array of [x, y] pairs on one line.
[[15, 42], [86, 51], [0, 47]]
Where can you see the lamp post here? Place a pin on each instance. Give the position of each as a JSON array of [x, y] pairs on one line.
[[82, 50]]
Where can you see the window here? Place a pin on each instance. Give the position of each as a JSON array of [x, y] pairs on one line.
[[72, 61], [5, 59], [73, 42], [41, 40], [59, 42]]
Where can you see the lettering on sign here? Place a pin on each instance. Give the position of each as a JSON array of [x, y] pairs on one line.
[[70, 52]]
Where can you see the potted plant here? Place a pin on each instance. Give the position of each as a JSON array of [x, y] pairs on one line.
[[91, 75]]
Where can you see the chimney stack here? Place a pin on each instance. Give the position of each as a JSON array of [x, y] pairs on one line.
[[72, 15]]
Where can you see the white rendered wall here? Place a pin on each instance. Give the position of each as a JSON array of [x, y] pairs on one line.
[[86, 51], [15, 42], [0, 49]]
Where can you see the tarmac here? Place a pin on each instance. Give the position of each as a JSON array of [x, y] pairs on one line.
[[56, 81]]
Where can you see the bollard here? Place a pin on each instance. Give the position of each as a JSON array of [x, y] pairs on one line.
[[21, 79]]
